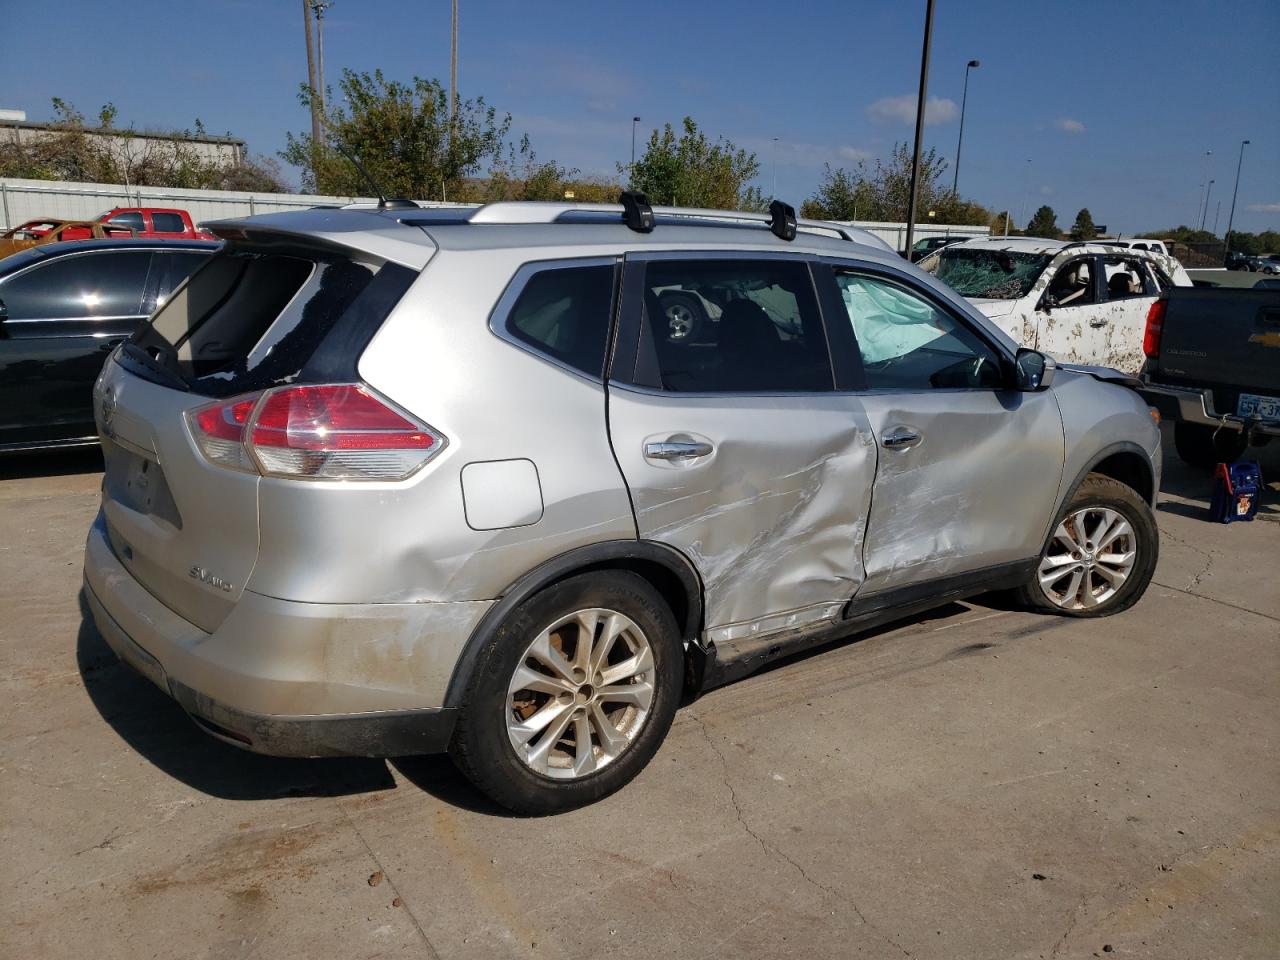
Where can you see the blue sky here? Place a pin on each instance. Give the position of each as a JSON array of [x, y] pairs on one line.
[[1114, 103]]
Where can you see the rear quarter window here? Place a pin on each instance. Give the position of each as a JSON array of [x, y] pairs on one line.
[[563, 312], [167, 223]]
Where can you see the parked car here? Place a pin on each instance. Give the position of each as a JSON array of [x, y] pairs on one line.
[[1270, 264], [1213, 369], [1081, 302], [33, 233], [157, 223], [922, 248], [63, 308], [364, 493], [1238, 261], [1140, 243]]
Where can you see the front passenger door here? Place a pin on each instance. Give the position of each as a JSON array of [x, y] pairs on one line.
[[1069, 312], [968, 469]]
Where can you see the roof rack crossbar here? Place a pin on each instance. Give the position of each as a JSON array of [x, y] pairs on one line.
[[550, 211]]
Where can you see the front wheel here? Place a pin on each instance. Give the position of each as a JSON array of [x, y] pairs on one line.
[[573, 694], [1101, 555]]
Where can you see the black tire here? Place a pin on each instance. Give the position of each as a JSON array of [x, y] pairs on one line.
[[1100, 491], [1205, 447], [482, 748], [682, 317]]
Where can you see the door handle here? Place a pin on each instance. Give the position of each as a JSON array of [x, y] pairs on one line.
[[677, 450], [1098, 323], [901, 439]]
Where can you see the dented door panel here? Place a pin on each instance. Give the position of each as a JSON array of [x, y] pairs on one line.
[[772, 518], [977, 490]]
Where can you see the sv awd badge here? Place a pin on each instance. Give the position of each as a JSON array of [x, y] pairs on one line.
[[204, 576]]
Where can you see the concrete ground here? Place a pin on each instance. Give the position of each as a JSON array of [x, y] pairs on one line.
[[977, 783]]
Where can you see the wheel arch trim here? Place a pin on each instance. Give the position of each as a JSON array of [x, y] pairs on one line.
[[608, 555]]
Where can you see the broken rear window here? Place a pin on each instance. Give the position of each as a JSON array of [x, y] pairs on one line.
[[987, 274]]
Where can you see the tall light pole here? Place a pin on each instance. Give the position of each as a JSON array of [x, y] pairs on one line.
[[453, 68], [632, 176], [775, 167], [964, 100], [1026, 188], [920, 104], [320, 6], [1204, 185], [1231, 217], [311, 85], [1208, 192], [1217, 212]]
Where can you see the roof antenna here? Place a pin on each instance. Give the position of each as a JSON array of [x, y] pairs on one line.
[[395, 203], [636, 212], [782, 220]]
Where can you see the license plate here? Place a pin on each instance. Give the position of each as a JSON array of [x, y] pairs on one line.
[[1250, 404]]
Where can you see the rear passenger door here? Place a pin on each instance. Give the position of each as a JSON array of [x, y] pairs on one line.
[[63, 316], [1130, 289], [969, 467], [736, 446]]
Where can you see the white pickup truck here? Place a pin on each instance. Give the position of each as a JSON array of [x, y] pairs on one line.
[[1081, 302]]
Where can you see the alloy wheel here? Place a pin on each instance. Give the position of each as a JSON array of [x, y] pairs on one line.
[[1089, 560], [680, 322], [580, 693]]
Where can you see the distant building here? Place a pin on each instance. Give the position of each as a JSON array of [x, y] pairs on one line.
[[225, 151]]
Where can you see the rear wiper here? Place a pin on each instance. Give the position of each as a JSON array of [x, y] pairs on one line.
[[140, 356]]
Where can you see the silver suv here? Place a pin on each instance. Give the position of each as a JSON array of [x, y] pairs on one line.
[[401, 481]]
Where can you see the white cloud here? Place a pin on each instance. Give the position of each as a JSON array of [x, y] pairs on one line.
[[1265, 207], [854, 154], [903, 110], [1069, 125]]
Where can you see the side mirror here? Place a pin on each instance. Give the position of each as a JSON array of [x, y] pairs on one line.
[[1048, 302], [1034, 370]]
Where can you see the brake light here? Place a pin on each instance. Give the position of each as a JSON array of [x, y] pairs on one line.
[[327, 432], [218, 430], [1155, 328]]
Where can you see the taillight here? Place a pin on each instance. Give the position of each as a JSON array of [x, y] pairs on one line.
[[337, 432], [218, 430], [324, 432], [1155, 328]]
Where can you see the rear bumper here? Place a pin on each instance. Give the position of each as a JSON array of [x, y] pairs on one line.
[[291, 679], [1188, 405]]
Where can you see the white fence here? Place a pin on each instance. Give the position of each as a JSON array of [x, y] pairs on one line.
[[23, 200]]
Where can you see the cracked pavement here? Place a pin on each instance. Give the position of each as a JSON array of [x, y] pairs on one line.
[[977, 782]]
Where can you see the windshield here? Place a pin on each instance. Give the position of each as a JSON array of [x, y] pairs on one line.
[[987, 274]]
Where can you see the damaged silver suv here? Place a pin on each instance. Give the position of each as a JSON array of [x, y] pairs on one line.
[[400, 481]]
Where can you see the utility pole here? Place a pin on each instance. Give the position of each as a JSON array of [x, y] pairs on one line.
[[1208, 192], [453, 69], [1204, 187], [1217, 212], [1232, 216], [320, 6], [920, 104], [311, 85], [632, 176], [964, 100], [775, 167]]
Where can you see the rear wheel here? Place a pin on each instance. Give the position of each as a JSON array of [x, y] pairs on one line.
[[1101, 555], [573, 694], [1203, 446]]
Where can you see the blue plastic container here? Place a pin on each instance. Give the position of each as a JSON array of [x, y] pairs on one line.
[[1236, 489]]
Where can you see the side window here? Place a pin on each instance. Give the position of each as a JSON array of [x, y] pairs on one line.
[[168, 269], [167, 223], [86, 285], [130, 219], [907, 343], [735, 326], [564, 313], [1124, 277], [1072, 285]]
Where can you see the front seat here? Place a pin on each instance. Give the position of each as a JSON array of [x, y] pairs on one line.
[[1120, 285], [748, 351]]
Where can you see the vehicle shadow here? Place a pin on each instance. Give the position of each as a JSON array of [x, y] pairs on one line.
[[1191, 488], [158, 729], [53, 463]]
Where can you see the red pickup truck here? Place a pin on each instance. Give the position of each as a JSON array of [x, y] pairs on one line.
[[157, 223]]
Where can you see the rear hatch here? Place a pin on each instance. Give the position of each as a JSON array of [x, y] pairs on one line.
[[269, 309], [1226, 340]]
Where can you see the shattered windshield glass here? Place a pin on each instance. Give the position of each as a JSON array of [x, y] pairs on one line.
[[989, 274]]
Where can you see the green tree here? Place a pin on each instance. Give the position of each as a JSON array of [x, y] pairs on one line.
[[1043, 224], [842, 195], [692, 171], [1083, 228], [403, 134]]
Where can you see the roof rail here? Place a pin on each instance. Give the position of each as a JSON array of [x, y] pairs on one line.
[[554, 211]]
